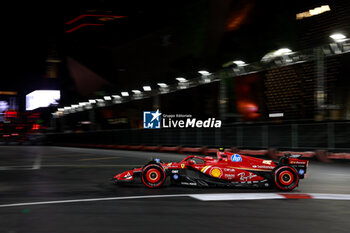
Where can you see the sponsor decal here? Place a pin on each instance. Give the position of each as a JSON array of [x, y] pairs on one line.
[[151, 119], [205, 168], [187, 183], [268, 162], [157, 160], [128, 176], [229, 170], [236, 158], [263, 167], [175, 171], [216, 172], [244, 177], [229, 176], [182, 165], [297, 162]]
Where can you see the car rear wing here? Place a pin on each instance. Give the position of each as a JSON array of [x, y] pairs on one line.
[[295, 161]]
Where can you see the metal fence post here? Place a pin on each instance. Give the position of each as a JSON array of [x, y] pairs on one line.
[[222, 99], [239, 136], [92, 119], [182, 139], [330, 135], [294, 135], [320, 86], [199, 140], [265, 136], [218, 137]]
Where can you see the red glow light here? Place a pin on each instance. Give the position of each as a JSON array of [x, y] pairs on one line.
[[36, 126], [82, 25], [10, 114], [248, 109], [82, 16], [89, 24]]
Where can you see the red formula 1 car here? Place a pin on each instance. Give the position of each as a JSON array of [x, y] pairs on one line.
[[228, 170]]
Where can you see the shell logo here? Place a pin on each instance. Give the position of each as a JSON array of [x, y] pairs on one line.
[[216, 172]]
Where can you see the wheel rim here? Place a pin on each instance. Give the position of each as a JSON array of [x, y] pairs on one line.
[[286, 178], [153, 175]]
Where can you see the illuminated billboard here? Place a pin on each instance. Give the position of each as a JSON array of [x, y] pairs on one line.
[[42, 98], [8, 101]]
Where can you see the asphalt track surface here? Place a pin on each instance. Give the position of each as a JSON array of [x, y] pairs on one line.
[[68, 190]]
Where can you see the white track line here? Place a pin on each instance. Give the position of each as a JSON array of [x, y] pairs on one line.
[[236, 196], [201, 197], [345, 197], [36, 165], [10, 168], [91, 200], [37, 162]]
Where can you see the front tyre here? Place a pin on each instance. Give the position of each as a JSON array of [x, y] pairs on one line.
[[286, 178], [153, 176]]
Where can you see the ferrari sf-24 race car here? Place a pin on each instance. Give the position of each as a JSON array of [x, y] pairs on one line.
[[226, 170]]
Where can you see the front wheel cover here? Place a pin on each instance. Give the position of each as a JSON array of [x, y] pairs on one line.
[[153, 176], [286, 178]]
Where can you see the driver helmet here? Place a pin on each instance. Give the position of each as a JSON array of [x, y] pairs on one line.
[[221, 153]]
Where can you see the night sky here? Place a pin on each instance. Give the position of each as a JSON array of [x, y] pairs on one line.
[[32, 30]]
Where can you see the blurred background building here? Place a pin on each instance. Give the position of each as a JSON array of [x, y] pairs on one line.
[[263, 59]]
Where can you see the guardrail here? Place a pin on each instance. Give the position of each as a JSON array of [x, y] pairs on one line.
[[331, 136]]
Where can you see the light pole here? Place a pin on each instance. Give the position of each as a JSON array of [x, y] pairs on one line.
[[320, 85]]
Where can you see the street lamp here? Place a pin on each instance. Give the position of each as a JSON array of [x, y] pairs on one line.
[[163, 87], [239, 63], [338, 37], [100, 102], [181, 79], [183, 84], [206, 76], [282, 52], [162, 84], [136, 92], [125, 93], [204, 72], [116, 99], [147, 88]]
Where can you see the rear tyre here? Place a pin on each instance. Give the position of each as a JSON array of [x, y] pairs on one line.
[[286, 178], [153, 176]]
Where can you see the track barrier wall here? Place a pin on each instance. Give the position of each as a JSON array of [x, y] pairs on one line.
[[325, 141]]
